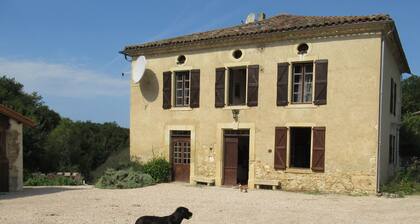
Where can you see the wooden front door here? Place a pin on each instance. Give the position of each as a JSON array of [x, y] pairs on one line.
[[230, 168], [4, 163], [181, 153]]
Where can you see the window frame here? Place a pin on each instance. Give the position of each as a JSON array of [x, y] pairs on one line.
[[228, 89], [302, 82], [182, 89]]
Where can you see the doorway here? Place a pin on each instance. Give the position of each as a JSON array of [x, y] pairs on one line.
[[180, 155], [236, 157], [4, 163]]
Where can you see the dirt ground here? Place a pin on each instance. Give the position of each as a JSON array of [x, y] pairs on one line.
[[85, 205]]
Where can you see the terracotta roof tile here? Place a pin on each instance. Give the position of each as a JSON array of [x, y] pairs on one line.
[[278, 23]]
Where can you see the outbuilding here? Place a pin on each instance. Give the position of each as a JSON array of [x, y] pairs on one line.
[[11, 148]]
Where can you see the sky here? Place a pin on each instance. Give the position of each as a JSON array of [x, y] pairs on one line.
[[67, 51]]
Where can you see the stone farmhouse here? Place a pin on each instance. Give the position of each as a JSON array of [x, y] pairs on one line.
[[302, 103]]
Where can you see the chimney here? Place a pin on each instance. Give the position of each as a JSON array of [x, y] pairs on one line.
[[252, 17]]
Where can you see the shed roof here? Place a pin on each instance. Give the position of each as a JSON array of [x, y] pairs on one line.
[[16, 116]]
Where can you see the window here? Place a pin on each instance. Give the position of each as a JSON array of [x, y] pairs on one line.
[[237, 86], [237, 54], [302, 83], [300, 147], [303, 48], [392, 149], [393, 97], [181, 59], [182, 89]]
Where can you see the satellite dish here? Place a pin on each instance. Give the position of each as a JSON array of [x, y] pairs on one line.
[[139, 68]]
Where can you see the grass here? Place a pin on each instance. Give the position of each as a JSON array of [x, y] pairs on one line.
[[44, 180]]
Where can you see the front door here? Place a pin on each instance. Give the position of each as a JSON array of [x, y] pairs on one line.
[[181, 153], [4, 163], [230, 169]]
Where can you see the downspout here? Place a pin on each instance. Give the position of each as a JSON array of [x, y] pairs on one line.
[[378, 154]]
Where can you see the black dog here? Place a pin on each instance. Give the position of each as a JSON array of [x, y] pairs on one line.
[[176, 217]]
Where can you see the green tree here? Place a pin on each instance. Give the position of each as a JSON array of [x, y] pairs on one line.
[[31, 105], [410, 129]]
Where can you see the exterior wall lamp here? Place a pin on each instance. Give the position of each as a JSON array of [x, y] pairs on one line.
[[235, 114]]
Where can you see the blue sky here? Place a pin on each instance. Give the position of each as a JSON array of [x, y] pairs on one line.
[[68, 50]]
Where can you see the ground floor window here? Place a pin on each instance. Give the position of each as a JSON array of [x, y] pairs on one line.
[[300, 147]]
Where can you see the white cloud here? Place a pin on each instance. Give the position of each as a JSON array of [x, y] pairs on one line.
[[63, 80]]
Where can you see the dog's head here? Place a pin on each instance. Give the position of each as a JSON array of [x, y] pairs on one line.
[[183, 212]]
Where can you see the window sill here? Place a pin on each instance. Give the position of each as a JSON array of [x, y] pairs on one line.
[[299, 170], [181, 108], [301, 106], [240, 107]]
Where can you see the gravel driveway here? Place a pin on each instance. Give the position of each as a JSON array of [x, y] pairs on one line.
[[85, 205]]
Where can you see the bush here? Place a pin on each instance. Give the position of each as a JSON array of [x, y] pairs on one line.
[[407, 181], [44, 180], [123, 179], [159, 168]]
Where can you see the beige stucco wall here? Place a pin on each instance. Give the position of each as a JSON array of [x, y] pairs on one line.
[[389, 123], [350, 116], [14, 151]]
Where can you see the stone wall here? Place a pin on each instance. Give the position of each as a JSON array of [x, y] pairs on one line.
[[306, 180], [14, 154]]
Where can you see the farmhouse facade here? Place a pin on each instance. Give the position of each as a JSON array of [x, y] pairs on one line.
[[11, 149], [307, 103]]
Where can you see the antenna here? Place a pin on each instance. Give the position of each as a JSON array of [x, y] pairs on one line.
[[139, 68]]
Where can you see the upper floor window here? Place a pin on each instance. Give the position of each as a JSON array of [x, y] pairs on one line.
[[182, 89], [237, 86], [302, 83], [393, 97]]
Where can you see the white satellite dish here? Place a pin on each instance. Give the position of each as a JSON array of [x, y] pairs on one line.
[[139, 68]]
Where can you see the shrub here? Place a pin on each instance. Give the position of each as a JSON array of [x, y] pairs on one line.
[[123, 179], [407, 181], [44, 180], [159, 168]]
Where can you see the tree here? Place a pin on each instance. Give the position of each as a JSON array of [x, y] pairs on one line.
[[410, 129]]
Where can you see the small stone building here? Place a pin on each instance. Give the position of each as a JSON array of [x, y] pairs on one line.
[[308, 103], [11, 148]]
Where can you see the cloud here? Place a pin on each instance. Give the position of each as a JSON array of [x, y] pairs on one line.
[[62, 80]]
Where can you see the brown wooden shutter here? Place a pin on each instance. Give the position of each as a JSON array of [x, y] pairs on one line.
[[220, 87], [253, 74], [391, 101], [282, 83], [321, 76], [395, 98], [280, 145], [318, 149], [167, 84], [195, 88]]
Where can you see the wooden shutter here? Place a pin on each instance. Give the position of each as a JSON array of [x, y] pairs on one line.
[[220, 87], [167, 84], [280, 144], [318, 149], [391, 101], [253, 74], [321, 74], [195, 88], [282, 83], [395, 98]]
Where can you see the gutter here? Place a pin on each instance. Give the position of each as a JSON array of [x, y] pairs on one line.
[[378, 154]]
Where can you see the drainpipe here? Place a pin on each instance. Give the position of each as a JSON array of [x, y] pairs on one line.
[[378, 154]]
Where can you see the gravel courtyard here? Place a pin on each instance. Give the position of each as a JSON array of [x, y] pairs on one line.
[[85, 205]]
